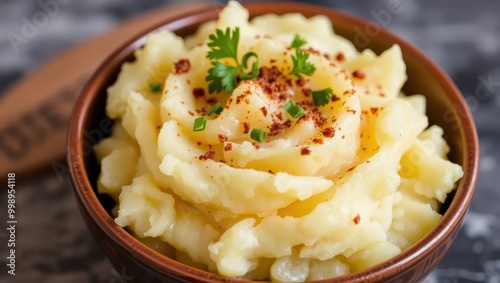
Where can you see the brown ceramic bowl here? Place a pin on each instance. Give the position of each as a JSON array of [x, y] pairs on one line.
[[446, 107]]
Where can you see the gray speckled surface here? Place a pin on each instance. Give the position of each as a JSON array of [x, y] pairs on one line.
[[463, 37]]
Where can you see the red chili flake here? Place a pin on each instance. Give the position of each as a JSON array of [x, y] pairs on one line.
[[327, 56], [222, 138], [256, 145], [350, 169], [329, 132], [307, 92], [198, 92], [374, 110], [367, 161], [246, 127], [313, 51], [317, 141], [206, 156], [381, 94], [300, 82], [182, 66], [335, 98], [358, 74], [343, 136], [269, 74], [272, 61], [283, 97], [287, 123], [340, 57], [239, 98], [356, 219], [351, 111], [318, 119], [279, 115], [270, 171], [275, 129], [264, 111], [198, 143], [305, 151], [315, 116], [228, 147], [191, 113], [306, 104]]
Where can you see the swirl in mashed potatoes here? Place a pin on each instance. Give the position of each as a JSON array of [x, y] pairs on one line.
[[342, 188]]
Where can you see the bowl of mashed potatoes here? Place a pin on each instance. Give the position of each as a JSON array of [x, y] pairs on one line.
[[272, 142]]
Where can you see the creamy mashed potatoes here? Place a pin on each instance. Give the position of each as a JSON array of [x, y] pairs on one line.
[[346, 186]]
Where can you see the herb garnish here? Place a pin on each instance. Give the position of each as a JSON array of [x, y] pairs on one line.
[[225, 45], [258, 135], [155, 87], [322, 97], [298, 41], [294, 110], [199, 124], [300, 64], [216, 108]]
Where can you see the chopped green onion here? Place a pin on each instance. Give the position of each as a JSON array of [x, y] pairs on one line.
[[199, 124], [298, 41], [155, 87], [322, 97], [258, 135], [294, 110], [216, 108]]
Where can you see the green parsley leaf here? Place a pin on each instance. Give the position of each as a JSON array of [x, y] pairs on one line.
[[221, 77], [216, 108], [322, 97], [223, 45], [199, 124], [294, 110], [300, 64], [298, 41], [258, 135], [155, 87]]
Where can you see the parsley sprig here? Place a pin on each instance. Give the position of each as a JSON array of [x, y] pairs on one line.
[[298, 41], [300, 64], [225, 45]]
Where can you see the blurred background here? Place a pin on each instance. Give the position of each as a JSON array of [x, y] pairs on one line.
[[53, 245]]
